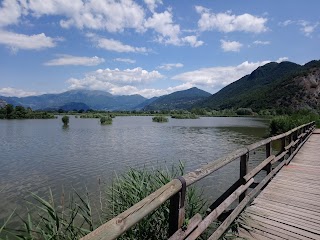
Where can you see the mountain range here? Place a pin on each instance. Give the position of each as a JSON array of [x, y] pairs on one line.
[[272, 86]]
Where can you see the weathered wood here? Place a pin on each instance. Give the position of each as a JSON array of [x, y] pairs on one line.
[[268, 153], [177, 208], [224, 196], [120, 224], [216, 212], [183, 233], [200, 173], [290, 203], [226, 223], [258, 168], [243, 171], [279, 157]]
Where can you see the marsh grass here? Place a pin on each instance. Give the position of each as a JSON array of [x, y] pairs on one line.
[[135, 185], [281, 124], [46, 220]]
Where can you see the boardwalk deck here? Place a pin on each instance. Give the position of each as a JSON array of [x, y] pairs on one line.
[[289, 207]]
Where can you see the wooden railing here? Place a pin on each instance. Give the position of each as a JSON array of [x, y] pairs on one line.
[[175, 191]]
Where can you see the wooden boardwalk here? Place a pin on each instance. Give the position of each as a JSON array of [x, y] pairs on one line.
[[289, 206]]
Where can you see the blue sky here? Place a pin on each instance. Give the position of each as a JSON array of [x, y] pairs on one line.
[[148, 47]]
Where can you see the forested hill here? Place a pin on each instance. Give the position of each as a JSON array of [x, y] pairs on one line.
[[178, 100], [272, 86]]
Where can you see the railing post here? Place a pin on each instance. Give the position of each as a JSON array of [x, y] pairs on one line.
[[243, 171], [268, 154], [177, 209]]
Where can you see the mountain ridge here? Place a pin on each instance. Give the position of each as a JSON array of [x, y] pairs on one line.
[[274, 85]]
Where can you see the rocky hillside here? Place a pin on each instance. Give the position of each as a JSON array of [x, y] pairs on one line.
[[283, 85]]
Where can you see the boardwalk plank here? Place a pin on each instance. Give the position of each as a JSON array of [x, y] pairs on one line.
[[289, 207]]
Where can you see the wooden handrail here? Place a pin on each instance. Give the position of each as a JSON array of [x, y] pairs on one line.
[[172, 190]]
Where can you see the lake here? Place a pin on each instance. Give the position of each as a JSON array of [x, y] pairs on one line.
[[40, 154]]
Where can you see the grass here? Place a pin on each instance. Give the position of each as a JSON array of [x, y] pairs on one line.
[[45, 220], [281, 124], [74, 217], [135, 185]]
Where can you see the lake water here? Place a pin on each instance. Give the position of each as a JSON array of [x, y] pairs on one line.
[[36, 155]]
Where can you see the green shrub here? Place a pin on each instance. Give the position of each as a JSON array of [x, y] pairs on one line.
[[159, 119], [185, 116], [65, 120], [244, 111], [106, 120]]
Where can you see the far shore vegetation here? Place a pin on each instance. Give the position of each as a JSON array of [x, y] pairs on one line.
[[19, 112], [281, 120]]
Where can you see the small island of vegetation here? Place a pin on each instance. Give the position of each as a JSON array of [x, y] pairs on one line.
[[105, 120], [160, 119]]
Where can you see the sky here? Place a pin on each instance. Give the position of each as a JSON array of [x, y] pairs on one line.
[[148, 47]]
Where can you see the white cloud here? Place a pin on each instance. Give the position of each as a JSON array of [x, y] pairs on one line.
[[169, 66], [261, 42], [16, 41], [168, 32], [152, 4], [125, 60], [282, 59], [74, 60], [218, 77], [307, 28], [228, 22], [286, 23], [10, 12], [113, 16], [106, 78], [14, 92], [230, 46], [114, 45], [192, 41], [146, 92]]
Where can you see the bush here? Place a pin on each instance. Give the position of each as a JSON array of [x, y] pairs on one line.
[[159, 119], [244, 111], [134, 186], [106, 120], [65, 120], [185, 116]]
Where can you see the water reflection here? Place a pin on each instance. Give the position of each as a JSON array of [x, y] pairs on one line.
[[38, 154]]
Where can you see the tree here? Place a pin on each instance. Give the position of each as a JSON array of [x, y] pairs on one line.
[[65, 120], [9, 110]]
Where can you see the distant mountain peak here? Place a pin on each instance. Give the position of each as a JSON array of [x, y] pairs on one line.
[[183, 99]]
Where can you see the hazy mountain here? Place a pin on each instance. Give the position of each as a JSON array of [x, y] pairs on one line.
[[94, 99], [178, 100], [145, 103], [274, 85], [2, 103]]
